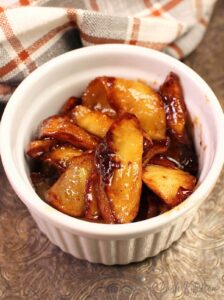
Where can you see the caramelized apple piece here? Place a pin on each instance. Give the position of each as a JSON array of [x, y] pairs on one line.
[[157, 147], [171, 185], [61, 156], [97, 93], [94, 122], [68, 192], [141, 100], [70, 104], [176, 112], [128, 96], [119, 161], [91, 198], [63, 129], [37, 148]]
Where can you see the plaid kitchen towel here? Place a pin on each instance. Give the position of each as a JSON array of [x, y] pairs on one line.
[[34, 31]]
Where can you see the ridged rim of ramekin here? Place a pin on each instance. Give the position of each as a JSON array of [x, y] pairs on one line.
[[118, 231]]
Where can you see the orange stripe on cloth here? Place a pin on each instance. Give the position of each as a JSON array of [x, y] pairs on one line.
[[166, 7], [6, 89], [94, 5], [72, 16], [9, 67], [24, 2], [203, 22], [135, 31], [15, 43], [177, 50], [151, 45], [199, 14], [99, 40], [13, 64], [47, 37]]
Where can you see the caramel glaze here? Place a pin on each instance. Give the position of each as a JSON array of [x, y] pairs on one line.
[[150, 205], [183, 155], [105, 162], [70, 104]]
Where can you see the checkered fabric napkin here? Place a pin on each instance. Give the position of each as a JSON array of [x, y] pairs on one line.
[[34, 31]]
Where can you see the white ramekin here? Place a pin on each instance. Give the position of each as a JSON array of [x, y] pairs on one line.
[[41, 95]]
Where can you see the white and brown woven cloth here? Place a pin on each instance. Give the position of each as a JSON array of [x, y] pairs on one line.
[[34, 31]]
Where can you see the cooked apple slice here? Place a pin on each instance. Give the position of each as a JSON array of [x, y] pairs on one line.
[[119, 161], [97, 93], [171, 185], [37, 148], [63, 129], [61, 156], [139, 99], [91, 198], [68, 192], [94, 122], [70, 104], [176, 112]]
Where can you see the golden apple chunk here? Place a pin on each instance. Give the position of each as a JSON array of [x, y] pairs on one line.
[[61, 156], [94, 122], [141, 100], [171, 185], [69, 191], [37, 148], [63, 129], [97, 94], [119, 161]]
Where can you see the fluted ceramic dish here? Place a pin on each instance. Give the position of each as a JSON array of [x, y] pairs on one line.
[[43, 93]]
